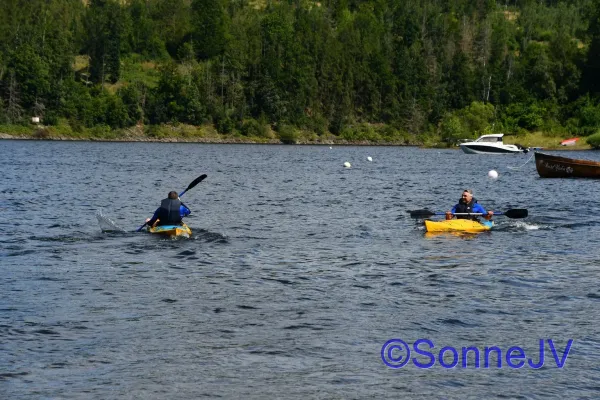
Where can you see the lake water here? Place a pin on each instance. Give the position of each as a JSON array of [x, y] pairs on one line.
[[298, 272]]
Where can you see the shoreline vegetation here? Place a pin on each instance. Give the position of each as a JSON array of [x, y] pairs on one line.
[[423, 73], [193, 134], [183, 133]]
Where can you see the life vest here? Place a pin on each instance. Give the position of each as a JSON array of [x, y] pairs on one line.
[[464, 207], [169, 212]]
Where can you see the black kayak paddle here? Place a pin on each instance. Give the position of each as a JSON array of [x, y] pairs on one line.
[[514, 213]]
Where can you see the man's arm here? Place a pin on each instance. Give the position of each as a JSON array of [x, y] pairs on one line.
[[450, 214], [184, 211], [478, 208], [152, 220]]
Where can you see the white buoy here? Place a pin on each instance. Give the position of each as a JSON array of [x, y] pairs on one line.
[[369, 158], [493, 174], [330, 147], [347, 164]]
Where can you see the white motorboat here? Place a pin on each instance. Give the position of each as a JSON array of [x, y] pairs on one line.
[[490, 144]]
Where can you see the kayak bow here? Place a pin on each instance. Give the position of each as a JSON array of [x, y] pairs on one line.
[[458, 225]]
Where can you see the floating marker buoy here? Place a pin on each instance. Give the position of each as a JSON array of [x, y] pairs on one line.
[[347, 164], [493, 174], [369, 158]]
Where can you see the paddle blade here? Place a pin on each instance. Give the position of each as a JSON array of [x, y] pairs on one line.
[[517, 213], [421, 213], [194, 183]]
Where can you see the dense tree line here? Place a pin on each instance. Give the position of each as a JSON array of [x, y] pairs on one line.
[[452, 68]]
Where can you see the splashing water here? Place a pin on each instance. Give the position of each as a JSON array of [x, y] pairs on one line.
[[526, 226], [106, 224]]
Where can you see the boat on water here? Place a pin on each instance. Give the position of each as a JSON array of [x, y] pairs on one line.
[[458, 225], [569, 142], [551, 166], [171, 230], [491, 144]]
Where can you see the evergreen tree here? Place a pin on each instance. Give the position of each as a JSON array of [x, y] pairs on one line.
[[209, 28], [103, 45]]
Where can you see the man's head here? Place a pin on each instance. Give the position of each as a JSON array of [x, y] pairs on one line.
[[467, 195], [173, 195]]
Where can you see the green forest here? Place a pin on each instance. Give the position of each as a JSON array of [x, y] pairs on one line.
[[378, 71]]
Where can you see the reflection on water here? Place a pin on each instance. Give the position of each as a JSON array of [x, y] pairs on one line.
[[462, 235]]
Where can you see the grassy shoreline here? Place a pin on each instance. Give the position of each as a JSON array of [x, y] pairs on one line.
[[208, 134], [191, 134], [223, 139], [538, 139]]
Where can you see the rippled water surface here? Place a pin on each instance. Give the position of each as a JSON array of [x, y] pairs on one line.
[[298, 272]]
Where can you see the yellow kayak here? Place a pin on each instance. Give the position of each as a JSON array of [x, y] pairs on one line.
[[172, 230], [458, 225]]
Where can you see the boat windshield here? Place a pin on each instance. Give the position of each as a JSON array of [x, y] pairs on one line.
[[489, 139]]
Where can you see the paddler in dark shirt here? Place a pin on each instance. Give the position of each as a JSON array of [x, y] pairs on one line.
[[468, 204], [170, 212]]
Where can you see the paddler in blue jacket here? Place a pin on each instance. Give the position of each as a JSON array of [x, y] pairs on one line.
[[468, 204], [170, 212]]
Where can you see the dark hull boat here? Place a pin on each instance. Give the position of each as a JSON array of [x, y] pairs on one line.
[[549, 166]]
